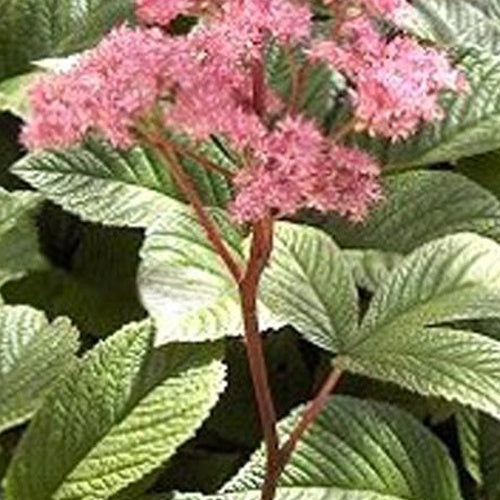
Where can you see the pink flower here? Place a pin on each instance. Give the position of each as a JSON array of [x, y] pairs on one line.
[[111, 86], [162, 12], [396, 84], [393, 97], [296, 167]]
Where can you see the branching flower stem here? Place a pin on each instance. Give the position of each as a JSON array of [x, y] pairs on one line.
[[248, 280], [248, 283]]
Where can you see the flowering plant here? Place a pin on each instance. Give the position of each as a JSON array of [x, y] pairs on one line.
[[206, 124]]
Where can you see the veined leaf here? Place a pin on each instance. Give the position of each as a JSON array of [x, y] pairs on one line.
[[468, 430], [319, 86], [371, 267], [33, 353], [101, 184], [19, 252], [356, 450], [35, 29], [116, 416], [458, 23], [419, 207], [479, 437], [453, 278], [308, 285]]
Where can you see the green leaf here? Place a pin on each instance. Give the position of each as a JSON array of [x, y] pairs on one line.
[[101, 184], [319, 88], [453, 278], [36, 29], [19, 252], [471, 124], [370, 267], [468, 430], [484, 170], [479, 437], [459, 22], [309, 286], [33, 353], [94, 277], [14, 96], [184, 284], [355, 450], [115, 417], [419, 207]]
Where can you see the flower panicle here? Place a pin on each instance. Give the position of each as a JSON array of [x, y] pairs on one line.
[[204, 83]]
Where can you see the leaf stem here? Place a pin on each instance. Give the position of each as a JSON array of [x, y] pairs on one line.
[[311, 412]]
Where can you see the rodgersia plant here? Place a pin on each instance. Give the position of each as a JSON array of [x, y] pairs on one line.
[[172, 92], [226, 210]]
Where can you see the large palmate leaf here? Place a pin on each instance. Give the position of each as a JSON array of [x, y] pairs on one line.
[[458, 22], [35, 29], [115, 417], [19, 252], [453, 278], [356, 450], [308, 285], [33, 353], [471, 123], [418, 207], [101, 184], [184, 284]]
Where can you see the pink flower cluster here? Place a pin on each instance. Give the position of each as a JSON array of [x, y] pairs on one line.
[[212, 81], [297, 167], [397, 83], [109, 88]]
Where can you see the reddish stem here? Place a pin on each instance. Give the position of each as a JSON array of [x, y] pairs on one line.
[[311, 412], [259, 255], [261, 246], [204, 162], [258, 87], [189, 191]]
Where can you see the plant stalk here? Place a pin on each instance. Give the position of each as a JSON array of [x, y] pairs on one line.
[[188, 189], [260, 251], [248, 283]]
